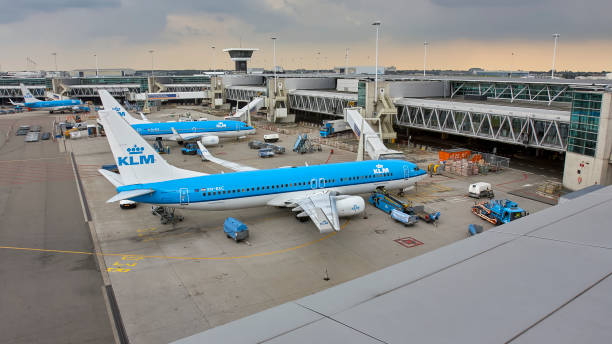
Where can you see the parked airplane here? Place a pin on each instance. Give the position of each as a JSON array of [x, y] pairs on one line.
[[208, 131], [321, 192], [30, 102]]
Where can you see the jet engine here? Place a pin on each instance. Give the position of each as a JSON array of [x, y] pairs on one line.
[[349, 205], [210, 140]]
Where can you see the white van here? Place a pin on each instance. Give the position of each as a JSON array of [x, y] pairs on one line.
[[480, 189]]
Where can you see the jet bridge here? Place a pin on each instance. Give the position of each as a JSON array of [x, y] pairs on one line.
[[244, 113], [371, 142], [537, 128]]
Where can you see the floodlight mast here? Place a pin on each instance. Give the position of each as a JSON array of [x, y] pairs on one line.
[[377, 24], [552, 71]]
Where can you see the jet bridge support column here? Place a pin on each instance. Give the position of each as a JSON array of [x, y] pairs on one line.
[[277, 102], [217, 96], [383, 109]]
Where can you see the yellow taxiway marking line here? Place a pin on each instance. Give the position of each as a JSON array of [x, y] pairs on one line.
[[261, 254]]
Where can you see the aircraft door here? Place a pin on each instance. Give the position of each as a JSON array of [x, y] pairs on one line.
[[184, 196], [313, 183], [406, 172], [321, 183]]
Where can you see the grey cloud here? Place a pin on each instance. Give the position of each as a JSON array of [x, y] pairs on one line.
[[322, 22], [488, 3], [14, 10]]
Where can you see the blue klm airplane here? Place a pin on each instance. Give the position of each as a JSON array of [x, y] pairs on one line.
[[208, 131], [321, 192], [30, 102]]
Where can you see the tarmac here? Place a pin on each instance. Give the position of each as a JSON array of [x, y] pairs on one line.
[[46, 297], [172, 281]]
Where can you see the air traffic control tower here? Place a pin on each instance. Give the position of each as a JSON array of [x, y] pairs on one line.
[[240, 56]]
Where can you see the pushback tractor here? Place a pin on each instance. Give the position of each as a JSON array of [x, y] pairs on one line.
[[498, 212]]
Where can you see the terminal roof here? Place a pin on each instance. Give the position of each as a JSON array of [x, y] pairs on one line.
[[545, 278]]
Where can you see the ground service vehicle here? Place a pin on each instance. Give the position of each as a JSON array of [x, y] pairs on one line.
[[406, 219], [331, 128], [266, 152], [480, 189], [271, 137], [127, 204], [256, 144], [235, 229], [474, 229], [387, 203], [498, 212], [190, 149]]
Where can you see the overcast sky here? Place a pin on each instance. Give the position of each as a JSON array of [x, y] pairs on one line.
[[492, 34]]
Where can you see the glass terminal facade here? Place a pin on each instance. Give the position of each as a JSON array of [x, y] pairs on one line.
[[514, 90], [584, 123]]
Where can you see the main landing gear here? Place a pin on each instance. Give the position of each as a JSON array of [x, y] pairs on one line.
[[166, 214]]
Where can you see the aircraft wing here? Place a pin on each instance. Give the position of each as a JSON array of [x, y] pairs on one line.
[[321, 208], [186, 136], [229, 164], [129, 194]]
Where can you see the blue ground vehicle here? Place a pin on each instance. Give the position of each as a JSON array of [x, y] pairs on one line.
[[474, 229], [498, 212], [266, 152], [432, 217], [406, 219], [331, 128], [382, 200], [158, 145], [190, 149], [385, 202], [235, 229]]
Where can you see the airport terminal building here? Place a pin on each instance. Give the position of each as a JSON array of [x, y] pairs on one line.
[[567, 117]]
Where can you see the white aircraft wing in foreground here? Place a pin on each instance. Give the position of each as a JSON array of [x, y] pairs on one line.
[[229, 164], [321, 208]]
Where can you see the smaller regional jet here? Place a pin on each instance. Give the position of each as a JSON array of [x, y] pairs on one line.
[[30, 102]]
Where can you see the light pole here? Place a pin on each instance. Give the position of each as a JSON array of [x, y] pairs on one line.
[[425, 44], [96, 56], [212, 66], [346, 61], [274, 63], [377, 24], [151, 52], [55, 61], [318, 62], [552, 72]]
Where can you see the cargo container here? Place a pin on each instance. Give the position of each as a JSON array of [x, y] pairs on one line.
[[235, 229], [454, 154]]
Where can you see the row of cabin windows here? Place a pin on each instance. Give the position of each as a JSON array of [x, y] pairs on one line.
[[279, 186]]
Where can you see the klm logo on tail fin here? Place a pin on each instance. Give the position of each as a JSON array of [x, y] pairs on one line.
[[118, 110], [135, 157]]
